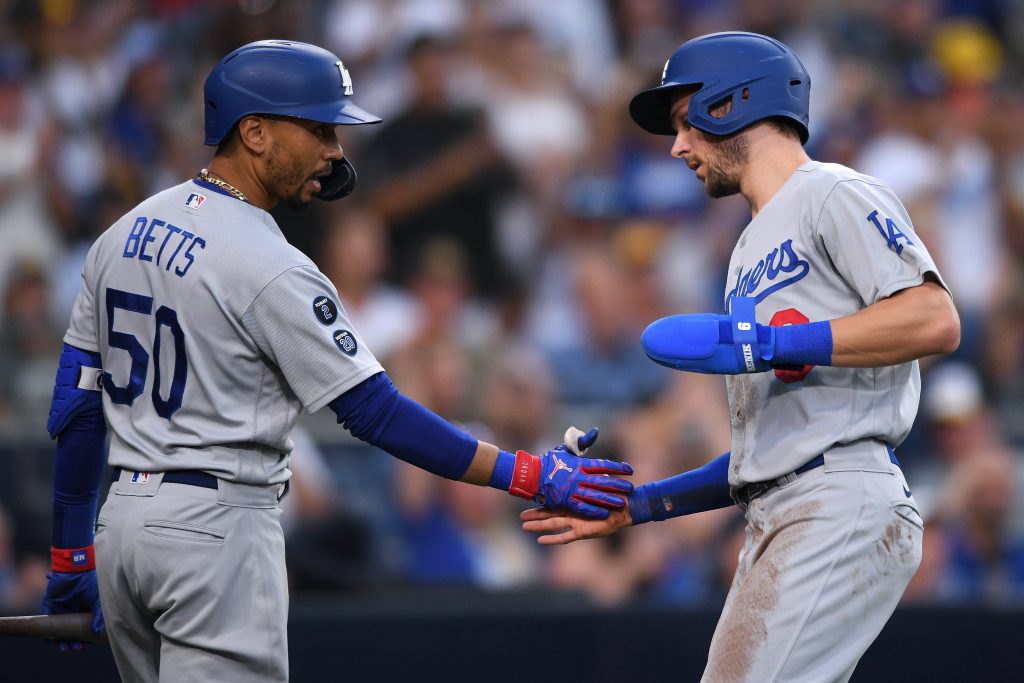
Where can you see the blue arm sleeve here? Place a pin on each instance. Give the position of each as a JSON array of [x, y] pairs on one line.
[[375, 412], [705, 488], [81, 432], [806, 344]]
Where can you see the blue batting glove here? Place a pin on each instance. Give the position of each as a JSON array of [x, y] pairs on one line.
[[563, 480], [73, 591]]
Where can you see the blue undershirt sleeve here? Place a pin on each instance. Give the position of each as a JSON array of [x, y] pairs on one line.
[[375, 412], [705, 488], [78, 424]]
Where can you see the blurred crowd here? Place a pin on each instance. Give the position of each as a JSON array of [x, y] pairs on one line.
[[511, 236]]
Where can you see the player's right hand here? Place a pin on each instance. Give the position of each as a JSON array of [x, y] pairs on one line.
[[561, 479], [558, 528], [74, 592]]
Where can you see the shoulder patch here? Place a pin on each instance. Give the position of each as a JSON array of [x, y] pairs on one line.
[[325, 310], [346, 342]]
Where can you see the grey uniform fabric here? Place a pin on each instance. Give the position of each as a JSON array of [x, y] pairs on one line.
[[812, 253], [214, 334], [193, 581], [254, 349], [829, 552]]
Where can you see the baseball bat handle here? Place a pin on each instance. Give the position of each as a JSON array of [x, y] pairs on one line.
[[76, 626]]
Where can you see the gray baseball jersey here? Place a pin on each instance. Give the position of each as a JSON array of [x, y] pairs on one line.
[[214, 334], [829, 243]]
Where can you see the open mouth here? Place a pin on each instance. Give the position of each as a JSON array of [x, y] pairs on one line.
[[317, 180]]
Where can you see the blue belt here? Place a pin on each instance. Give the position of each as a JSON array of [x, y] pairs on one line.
[[744, 494], [189, 477]]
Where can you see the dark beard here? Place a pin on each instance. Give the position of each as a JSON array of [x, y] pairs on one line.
[[732, 153], [282, 178]]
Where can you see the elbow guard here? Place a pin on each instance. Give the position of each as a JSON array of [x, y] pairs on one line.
[[77, 389]]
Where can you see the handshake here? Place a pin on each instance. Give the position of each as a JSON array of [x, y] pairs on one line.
[[580, 494]]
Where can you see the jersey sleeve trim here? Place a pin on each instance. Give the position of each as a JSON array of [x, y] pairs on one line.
[[343, 386], [912, 282], [81, 343]]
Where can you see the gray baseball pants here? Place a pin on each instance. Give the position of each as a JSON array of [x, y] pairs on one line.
[[193, 581]]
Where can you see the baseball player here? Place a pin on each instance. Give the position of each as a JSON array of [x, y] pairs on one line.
[[830, 300], [198, 337]]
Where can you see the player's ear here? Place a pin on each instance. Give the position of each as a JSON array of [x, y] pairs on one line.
[[252, 131]]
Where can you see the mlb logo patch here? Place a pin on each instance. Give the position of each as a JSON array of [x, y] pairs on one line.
[[140, 477], [79, 557], [195, 200]]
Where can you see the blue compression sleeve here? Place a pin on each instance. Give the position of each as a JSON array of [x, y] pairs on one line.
[[76, 479], [705, 488], [77, 421], [375, 412], [806, 344]]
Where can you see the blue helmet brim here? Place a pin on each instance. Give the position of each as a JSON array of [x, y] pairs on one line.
[[348, 115], [652, 109]]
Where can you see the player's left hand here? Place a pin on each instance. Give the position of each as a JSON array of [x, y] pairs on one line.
[[558, 528], [74, 592], [562, 479]]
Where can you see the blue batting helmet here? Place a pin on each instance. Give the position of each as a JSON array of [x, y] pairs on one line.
[[761, 76], [286, 78]]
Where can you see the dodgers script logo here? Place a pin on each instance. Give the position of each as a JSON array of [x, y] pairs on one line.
[[195, 200], [782, 262]]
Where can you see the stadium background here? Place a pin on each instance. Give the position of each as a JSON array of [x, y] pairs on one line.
[[511, 235]]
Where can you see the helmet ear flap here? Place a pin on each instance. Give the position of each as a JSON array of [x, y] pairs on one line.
[[339, 182]]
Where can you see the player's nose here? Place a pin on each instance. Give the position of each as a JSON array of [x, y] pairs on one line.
[[680, 146], [332, 151]]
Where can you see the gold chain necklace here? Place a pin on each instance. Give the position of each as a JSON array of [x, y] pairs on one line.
[[205, 176]]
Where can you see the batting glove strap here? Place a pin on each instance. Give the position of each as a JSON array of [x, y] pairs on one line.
[[72, 560], [526, 476]]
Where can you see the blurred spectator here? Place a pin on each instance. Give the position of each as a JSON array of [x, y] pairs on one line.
[[939, 148], [974, 546], [518, 399], [460, 535], [961, 426], [976, 554], [354, 256], [436, 173], [30, 345], [27, 138], [22, 580], [329, 546], [451, 329], [604, 371]]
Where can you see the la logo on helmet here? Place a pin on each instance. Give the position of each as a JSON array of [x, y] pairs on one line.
[[346, 80]]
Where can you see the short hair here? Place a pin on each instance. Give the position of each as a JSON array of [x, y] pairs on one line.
[[787, 126], [227, 144]]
